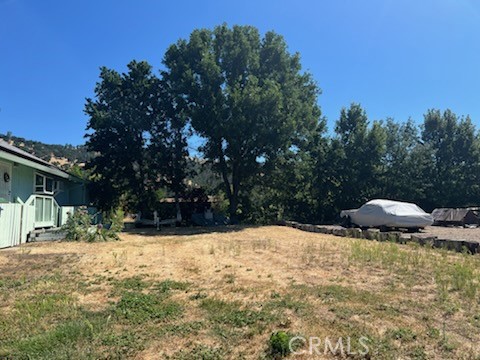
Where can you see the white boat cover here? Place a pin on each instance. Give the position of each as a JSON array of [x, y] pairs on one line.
[[389, 213]]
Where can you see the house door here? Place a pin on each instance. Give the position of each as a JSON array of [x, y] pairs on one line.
[[5, 183]]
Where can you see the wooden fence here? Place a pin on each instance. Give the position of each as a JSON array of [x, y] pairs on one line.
[[10, 224], [18, 220]]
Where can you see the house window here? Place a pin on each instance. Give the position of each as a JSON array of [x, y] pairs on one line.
[[39, 183], [46, 185], [45, 210]]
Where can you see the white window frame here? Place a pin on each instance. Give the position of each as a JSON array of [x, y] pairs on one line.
[[47, 220], [55, 184]]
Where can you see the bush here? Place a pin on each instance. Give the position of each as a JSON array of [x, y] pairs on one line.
[[279, 344], [79, 227], [116, 220]]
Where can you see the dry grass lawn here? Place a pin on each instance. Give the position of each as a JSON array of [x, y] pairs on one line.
[[221, 293]]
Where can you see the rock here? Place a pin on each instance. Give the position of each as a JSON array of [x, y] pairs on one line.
[[357, 233], [394, 236], [371, 234], [454, 245], [336, 232], [383, 236], [471, 246], [424, 240], [349, 233], [404, 238], [340, 232], [322, 229], [329, 231]]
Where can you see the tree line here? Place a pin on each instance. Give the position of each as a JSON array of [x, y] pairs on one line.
[[263, 137], [434, 164]]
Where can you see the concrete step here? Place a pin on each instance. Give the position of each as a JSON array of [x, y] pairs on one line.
[[46, 235]]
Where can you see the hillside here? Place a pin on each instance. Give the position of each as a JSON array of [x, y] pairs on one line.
[[61, 155]]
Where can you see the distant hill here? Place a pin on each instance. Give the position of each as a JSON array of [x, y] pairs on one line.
[[61, 155], [73, 158]]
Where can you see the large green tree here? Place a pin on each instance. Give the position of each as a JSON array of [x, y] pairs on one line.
[[120, 116], [355, 155], [168, 148], [247, 97], [407, 164], [455, 158], [137, 132], [288, 188]]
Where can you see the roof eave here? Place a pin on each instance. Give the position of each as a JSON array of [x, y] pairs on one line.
[[47, 169]]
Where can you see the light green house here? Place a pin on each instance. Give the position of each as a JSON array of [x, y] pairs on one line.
[[33, 194]]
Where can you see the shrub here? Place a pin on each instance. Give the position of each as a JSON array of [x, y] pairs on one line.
[[116, 220], [79, 227], [279, 344]]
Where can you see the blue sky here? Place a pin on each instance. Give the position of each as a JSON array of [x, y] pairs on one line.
[[396, 57]]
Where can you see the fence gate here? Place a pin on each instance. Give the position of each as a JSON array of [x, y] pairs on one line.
[[10, 224]]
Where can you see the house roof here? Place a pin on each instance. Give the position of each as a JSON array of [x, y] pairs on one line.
[[15, 154]]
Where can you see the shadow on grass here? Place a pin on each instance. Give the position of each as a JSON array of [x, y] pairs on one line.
[[30, 264], [188, 231]]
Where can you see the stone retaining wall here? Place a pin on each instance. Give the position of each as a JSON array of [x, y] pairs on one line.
[[471, 247]]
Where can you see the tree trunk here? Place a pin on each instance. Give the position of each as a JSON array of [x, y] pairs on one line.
[[178, 210], [233, 209], [235, 191], [232, 198]]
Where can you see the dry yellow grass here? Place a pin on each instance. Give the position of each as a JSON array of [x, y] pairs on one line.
[[411, 303]]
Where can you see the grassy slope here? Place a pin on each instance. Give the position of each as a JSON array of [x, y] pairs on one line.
[[44, 151], [195, 295]]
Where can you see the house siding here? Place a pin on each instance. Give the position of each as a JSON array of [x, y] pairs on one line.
[[72, 194], [23, 177], [63, 198], [78, 194], [22, 182], [26, 212]]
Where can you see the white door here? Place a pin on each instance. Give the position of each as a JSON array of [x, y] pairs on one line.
[[5, 183]]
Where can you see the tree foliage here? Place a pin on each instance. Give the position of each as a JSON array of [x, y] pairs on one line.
[[137, 135], [246, 96], [435, 164], [265, 145], [119, 119]]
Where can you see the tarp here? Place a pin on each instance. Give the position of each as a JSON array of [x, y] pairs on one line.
[[460, 216], [389, 213]]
